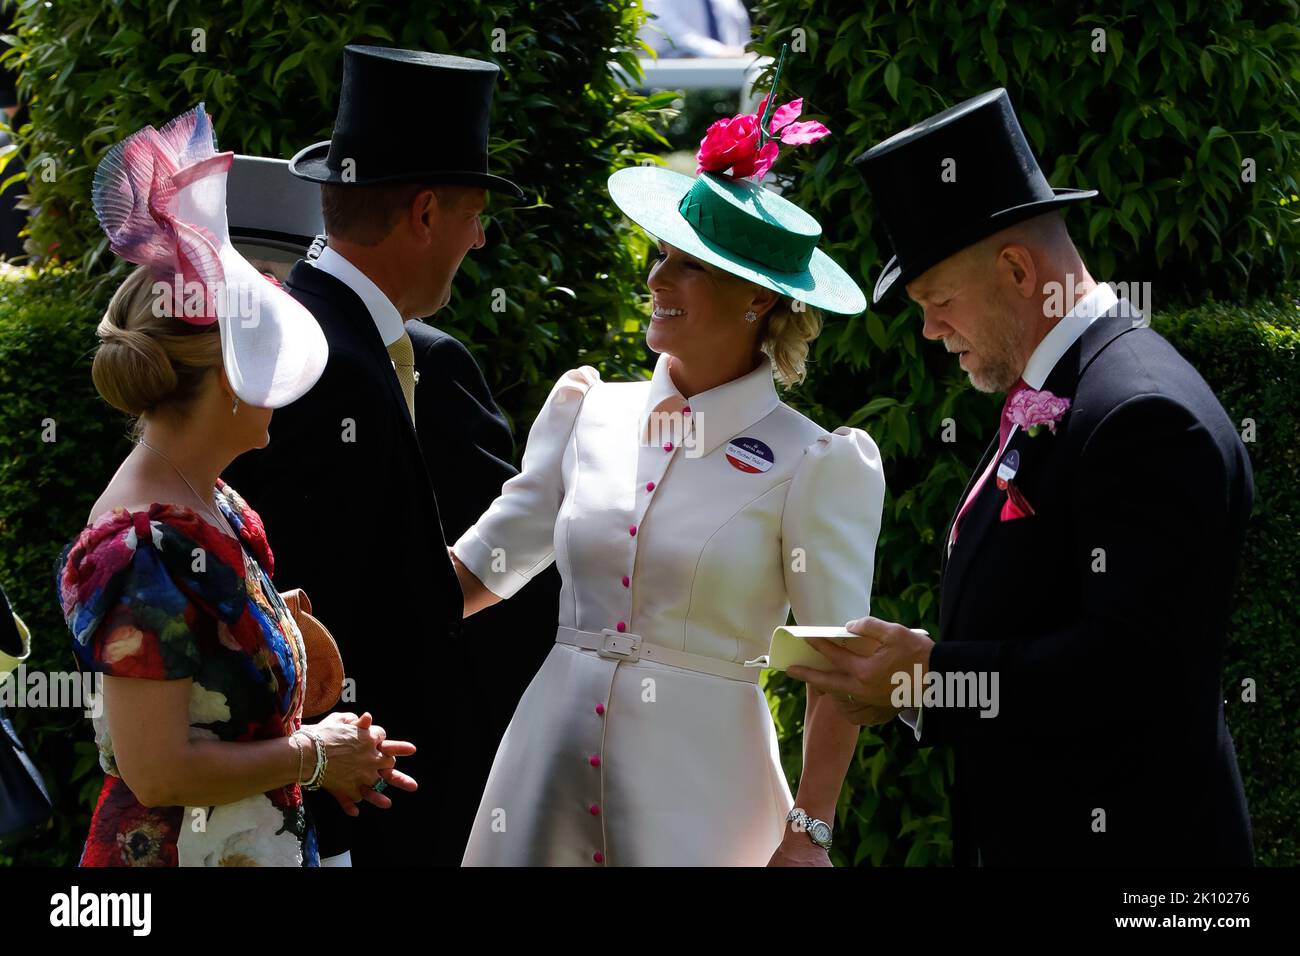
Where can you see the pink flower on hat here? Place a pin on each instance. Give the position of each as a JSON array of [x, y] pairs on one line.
[[784, 127], [1031, 409], [732, 144]]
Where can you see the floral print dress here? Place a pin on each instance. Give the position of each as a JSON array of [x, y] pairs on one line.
[[163, 595]]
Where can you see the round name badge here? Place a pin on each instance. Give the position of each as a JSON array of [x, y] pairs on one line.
[[749, 455]]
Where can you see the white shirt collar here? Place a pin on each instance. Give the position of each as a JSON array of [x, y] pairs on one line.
[[385, 315], [722, 411], [1056, 342]]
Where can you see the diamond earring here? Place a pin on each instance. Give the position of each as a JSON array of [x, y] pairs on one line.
[[234, 407], [751, 316]]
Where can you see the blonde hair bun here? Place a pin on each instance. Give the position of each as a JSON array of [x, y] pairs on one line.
[[144, 361]]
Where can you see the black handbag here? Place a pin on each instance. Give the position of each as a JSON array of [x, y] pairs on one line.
[[25, 807]]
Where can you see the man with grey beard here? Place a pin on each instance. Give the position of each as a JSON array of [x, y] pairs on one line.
[[1091, 563]]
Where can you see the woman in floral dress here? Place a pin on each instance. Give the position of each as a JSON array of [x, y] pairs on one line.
[[167, 591]]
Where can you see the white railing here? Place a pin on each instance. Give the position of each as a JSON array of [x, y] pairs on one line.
[[699, 73]]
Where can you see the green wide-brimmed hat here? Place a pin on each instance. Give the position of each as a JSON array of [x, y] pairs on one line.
[[740, 227]]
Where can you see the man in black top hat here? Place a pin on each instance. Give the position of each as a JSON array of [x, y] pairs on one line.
[[1087, 572], [368, 476]]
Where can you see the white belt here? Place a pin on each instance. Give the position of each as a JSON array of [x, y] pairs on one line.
[[613, 646]]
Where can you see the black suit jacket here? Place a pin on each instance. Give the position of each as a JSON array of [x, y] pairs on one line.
[[352, 515], [1105, 616]]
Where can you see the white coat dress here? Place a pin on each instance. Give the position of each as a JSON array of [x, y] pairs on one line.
[[684, 533]]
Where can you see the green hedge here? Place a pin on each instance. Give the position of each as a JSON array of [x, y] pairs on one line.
[[1160, 122], [562, 122], [1252, 360], [46, 490]]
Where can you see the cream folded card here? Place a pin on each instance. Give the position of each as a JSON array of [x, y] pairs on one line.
[[790, 646]]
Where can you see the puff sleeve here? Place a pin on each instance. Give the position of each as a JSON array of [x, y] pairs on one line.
[[514, 540], [830, 526], [130, 609]]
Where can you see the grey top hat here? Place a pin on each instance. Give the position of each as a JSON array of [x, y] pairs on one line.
[[265, 201]]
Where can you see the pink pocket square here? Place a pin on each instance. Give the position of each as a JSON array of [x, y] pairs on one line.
[[1010, 511], [1016, 505]]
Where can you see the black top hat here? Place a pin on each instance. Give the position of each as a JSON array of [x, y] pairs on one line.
[[387, 143], [952, 180]]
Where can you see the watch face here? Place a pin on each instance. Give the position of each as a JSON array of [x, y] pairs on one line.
[[820, 832]]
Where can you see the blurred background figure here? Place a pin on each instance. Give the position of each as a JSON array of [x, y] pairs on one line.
[[697, 28]]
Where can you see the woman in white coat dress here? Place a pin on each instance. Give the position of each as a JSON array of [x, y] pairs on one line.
[[688, 514]]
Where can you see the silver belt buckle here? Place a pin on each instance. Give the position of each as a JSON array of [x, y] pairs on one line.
[[620, 646]]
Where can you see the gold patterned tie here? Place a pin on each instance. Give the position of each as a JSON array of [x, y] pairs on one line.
[[403, 356]]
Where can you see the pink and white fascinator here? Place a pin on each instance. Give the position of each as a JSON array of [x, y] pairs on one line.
[[160, 197]]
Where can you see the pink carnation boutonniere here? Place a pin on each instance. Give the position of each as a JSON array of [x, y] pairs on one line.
[[1032, 409], [742, 145]]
